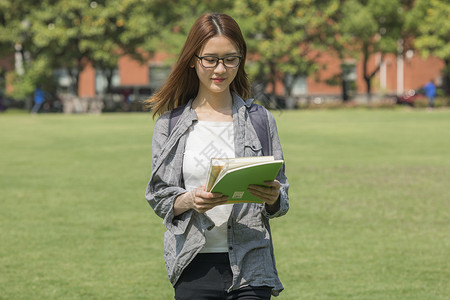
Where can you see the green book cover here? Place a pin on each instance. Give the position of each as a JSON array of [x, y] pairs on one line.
[[234, 182]]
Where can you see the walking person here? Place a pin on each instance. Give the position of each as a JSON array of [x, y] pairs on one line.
[[212, 250], [38, 100], [430, 92]]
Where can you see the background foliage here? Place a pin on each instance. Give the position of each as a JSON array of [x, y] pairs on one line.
[[430, 21], [283, 36]]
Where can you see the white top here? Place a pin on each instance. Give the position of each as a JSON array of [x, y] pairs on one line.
[[205, 140]]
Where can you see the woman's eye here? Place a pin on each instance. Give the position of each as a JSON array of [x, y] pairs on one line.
[[230, 59]]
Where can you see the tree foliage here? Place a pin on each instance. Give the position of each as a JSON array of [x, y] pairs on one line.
[[174, 19], [368, 27], [429, 20], [70, 34], [283, 36]]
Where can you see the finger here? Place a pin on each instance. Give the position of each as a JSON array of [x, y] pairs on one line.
[[258, 187], [202, 205], [275, 191], [206, 195], [219, 200], [264, 193], [264, 198], [209, 198], [257, 194], [217, 195], [209, 202], [275, 183]]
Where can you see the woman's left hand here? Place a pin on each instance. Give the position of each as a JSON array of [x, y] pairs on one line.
[[269, 193]]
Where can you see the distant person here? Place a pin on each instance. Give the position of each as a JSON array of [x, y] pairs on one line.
[[430, 92], [213, 250], [38, 100]]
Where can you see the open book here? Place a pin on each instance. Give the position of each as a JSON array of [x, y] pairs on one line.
[[232, 176]]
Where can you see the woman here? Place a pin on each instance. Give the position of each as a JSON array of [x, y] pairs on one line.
[[212, 250]]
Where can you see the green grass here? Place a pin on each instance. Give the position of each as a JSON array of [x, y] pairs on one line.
[[369, 199]]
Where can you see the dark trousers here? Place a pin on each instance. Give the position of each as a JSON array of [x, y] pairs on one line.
[[209, 276]]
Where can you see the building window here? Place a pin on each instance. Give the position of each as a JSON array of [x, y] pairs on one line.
[[158, 75], [63, 80], [299, 87], [101, 80], [349, 71], [349, 77]]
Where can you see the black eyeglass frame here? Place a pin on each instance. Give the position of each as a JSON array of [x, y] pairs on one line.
[[219, 59]]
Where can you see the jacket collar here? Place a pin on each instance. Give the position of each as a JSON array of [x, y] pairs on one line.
[[238, 102]]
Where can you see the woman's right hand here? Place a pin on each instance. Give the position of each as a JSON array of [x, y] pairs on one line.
[[199, 200]]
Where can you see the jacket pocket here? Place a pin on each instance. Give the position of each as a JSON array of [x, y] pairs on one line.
[[252, 147]]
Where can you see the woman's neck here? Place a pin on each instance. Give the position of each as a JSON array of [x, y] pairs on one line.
[[214, 107]]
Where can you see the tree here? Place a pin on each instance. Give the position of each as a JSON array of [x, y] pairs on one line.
[[15, 41], [281, 38], [430, 22], [336, 43], [174, 19], [369, 27], [70, 34], [74, 33]]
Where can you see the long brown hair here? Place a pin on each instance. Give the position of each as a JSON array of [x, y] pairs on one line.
[[183, 83]]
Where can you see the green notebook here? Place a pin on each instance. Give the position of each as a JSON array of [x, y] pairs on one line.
[[232, 176]]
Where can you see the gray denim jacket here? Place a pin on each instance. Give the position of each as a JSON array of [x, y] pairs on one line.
[[250, 243]]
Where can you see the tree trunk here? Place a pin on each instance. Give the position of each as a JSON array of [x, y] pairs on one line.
[[365, 71], [369, 87], [446, 75], [75, 76], [109, 75], [345, 97], [368, 76], [273, 81]]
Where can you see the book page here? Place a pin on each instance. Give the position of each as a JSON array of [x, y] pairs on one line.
[[212, 176]]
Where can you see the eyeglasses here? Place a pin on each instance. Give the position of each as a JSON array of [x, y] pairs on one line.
[[210, 62]]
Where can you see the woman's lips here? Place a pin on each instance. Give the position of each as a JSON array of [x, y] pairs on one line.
[[218, 80]]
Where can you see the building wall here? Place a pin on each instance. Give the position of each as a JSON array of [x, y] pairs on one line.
[[86, 84], [329, 68], [419, 71], [389, 76], [416, 72], [132, 72]]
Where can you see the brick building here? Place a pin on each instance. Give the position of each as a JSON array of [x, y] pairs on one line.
[[396, 75]]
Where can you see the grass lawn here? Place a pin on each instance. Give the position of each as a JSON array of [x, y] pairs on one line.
[[369, 198]]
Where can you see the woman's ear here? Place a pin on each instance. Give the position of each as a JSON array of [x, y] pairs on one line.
[[192, 63]]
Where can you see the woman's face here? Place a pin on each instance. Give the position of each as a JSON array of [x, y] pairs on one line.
[[216, 79]]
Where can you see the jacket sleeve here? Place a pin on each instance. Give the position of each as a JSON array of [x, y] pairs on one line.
[[164, 185], [277, 152]]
